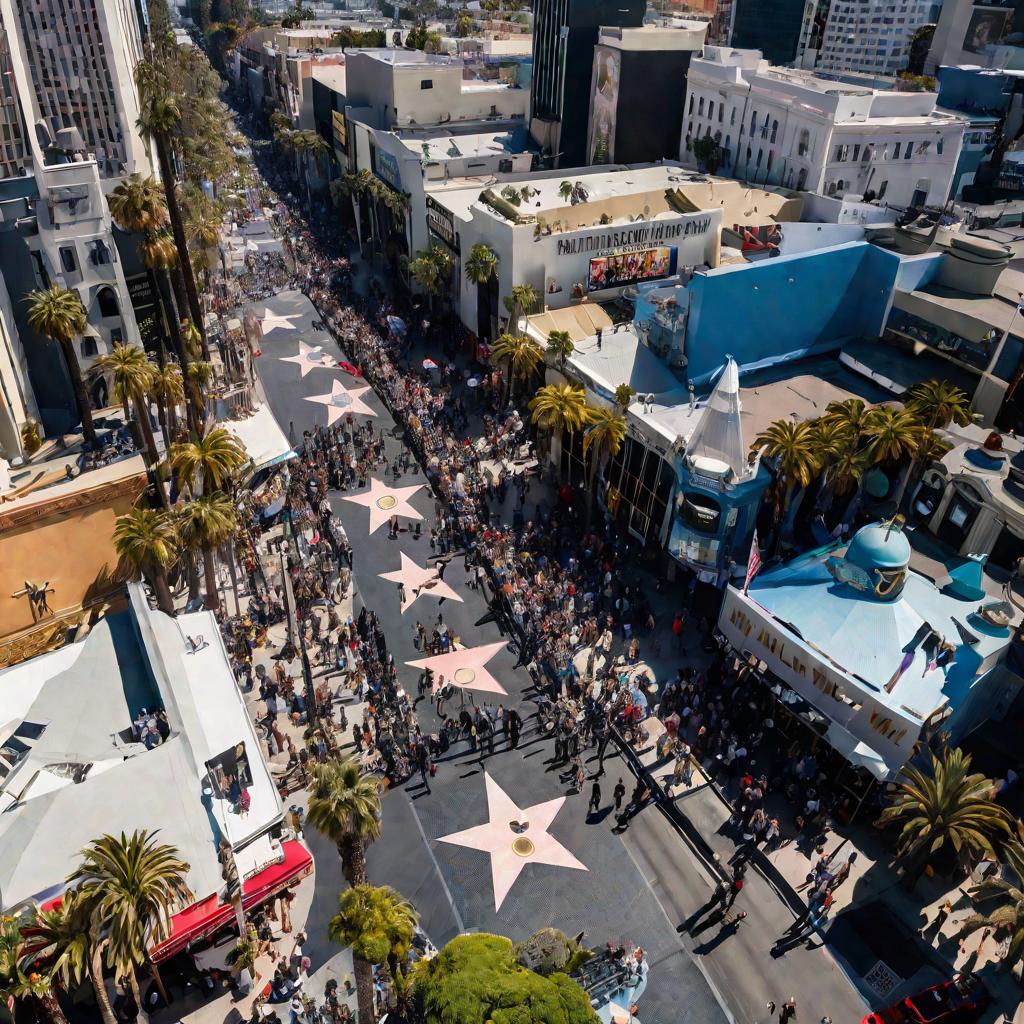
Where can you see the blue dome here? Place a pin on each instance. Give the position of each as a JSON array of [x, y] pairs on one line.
[[878, 547]]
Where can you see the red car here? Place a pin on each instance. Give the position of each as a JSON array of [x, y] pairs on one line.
[[959, 1001]]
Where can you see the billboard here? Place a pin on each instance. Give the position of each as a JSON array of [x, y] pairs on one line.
[[986, 28], [604, 93], [441, 224], [385, 166], [622, 267], [340, 129]]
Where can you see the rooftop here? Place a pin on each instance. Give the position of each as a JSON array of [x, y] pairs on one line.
[[443, 143]]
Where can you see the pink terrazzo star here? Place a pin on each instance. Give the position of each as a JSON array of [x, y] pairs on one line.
[[465, 668], [269, 321], [340, 402], [310, 358], [419, 581], [511, 849], [385, 502]]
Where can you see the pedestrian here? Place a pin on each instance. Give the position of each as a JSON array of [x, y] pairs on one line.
[[595, 797], [735, 888], [401, 592], [619, 793], [788, 1011], [939, 920]]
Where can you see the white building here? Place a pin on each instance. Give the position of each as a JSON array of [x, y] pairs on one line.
[[970, 33], [72, 65], [779, 126], [17, 403], [871, 35]]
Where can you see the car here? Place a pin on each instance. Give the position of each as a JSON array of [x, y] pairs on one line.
[[960, 1000]]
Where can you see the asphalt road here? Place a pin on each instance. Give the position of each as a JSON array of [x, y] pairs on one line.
[[638, 888]]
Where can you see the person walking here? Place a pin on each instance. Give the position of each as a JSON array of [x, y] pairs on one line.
[[619, 792], [401, 592], [595, 797], [788, 1011]]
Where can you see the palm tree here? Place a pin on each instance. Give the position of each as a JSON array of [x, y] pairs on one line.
[[523, 298], [846, 464], [893, 434], [205, 523], [344, 805], [146, 540], [797, 459], [58, 314], [205, 465], [158, 121], [481, 264], [1006, 921], [169, 389], [943, 807], [603, 437], [61, 940], [137, 204], [565, 189], [432, 270], [851, 412], [522, 354], [559, 407], [379, 924], [132, 374], [938, 403], [624, 395], [132, 885], [560, 347], [20, 978]]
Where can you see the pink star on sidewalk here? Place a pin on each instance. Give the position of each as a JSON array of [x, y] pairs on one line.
[[385, 502], [310, 358], [340, 402], [512, 848], [465, 668], [419, 581]]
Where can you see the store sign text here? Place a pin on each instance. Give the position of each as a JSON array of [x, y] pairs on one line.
[[633, 238]]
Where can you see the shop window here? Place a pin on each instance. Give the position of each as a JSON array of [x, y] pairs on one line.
[[700, 512], [67, 259], [89, 347], [107, 302], [426, 83]]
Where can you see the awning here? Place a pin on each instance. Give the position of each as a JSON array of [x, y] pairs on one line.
[[207, 916], [857, 752], [265, 442]]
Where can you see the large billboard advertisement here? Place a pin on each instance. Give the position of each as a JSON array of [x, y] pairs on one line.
[[986, 28], [615, 269], [604, 92], [340, 129]]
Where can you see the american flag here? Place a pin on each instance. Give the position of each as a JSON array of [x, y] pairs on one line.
[[753, 562]]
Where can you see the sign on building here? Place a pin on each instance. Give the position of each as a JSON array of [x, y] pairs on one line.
[[441, 224]]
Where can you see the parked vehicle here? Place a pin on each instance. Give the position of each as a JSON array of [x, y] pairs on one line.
[[962, 1000]]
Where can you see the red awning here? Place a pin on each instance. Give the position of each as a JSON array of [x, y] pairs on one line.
[[209, 915]]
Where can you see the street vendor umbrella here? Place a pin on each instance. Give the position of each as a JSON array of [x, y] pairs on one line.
[[350, 368], [429, 364], [397, 324]]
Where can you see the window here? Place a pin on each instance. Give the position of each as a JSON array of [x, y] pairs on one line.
[[940, 146], [909, 151], [700, 107], [107, 302], [711, 110], [840, 185], [882, 188], [732, 117], [691, 103], [775, 130], [801, 181], [805, 142], [426, 83], [89, 347], [838, 154], [896, 151], [721, 112], [760, 157], [753, 122], [856, 153], [67, 259]]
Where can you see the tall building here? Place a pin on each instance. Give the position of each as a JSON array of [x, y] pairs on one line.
[[71, 62], [625, 127], [986, 35], [782, 126], [871, 35], [772, 26], [564, 35]]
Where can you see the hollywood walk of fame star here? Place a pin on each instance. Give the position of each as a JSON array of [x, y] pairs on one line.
[[385, 502], [311, 358], [515, 837], [419, 581], [271, 320], [465, 668], [341, 402]]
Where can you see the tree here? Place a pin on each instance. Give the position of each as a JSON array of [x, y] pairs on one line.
[[624, 395], [481, 264], [204, 524], [432, 270], [603, 437], [708, 153], [565, 189], [522, 355], [344, 805], [523, 298], [205, 465], [1005, 921], [159, 119], [132, 374], [146, 540], [797, 459], [131, 885], [851, 412], [169, 390], [938, 403], [560, 346], [58, 314], [378, 923], [61, 941], [944, 808], [463, 24], [920, 44], [559, 407], [477, 978]]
